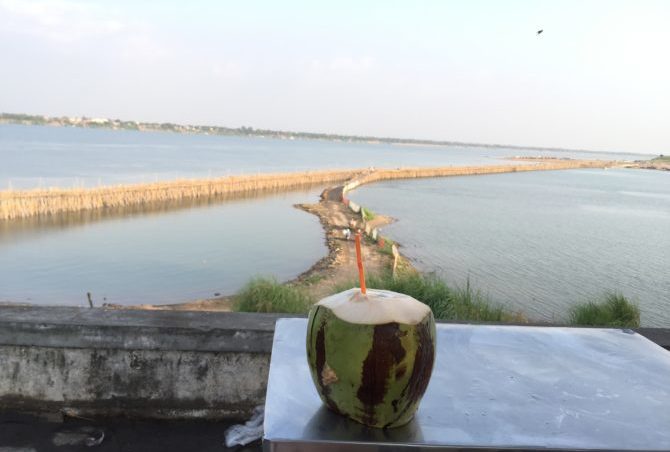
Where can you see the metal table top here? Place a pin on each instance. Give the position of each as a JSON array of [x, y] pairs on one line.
[[494, 388]]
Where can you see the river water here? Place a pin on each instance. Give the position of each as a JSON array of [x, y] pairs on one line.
[[537, 242], [40, 156], [174, 253], [170, 255]]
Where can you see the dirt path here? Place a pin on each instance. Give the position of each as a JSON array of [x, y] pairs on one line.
[[339, 267]]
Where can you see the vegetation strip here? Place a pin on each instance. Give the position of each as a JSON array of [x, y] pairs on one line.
[[26, 203]]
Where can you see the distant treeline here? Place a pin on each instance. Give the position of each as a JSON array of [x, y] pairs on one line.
[[118, 124]]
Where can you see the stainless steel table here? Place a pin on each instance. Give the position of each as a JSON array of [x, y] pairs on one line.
[[493, 388]]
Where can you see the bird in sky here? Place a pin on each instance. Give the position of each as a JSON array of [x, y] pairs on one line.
[[539, 31]]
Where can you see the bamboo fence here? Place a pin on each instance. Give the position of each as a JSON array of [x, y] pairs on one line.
[[27, 203], [412, 173], [41, 202]]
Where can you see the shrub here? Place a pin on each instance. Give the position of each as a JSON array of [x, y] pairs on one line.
[[267, 295], [613, 310]]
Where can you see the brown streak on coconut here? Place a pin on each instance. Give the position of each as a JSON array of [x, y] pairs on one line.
[[421, 372], [321, 355], [423, 364], [385, 353], [321, 366]]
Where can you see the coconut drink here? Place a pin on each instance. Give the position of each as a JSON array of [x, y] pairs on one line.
[[371, 354]]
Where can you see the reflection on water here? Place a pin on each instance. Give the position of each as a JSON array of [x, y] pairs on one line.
[[25, 228], [170, 254], [538, 242]]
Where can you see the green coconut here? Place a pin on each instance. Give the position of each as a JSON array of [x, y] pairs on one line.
[[371, 355]]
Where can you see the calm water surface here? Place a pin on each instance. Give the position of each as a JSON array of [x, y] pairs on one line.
[[545, 239], [167, 256], [537, 242], [34, 156]]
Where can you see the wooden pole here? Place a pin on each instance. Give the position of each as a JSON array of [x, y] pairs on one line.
[[359, 261]]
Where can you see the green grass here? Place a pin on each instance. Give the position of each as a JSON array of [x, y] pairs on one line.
[[464, 303], [613, 310], [661, 159], [313, 279], [367, 214], [471, 304], [446, 303], [267, 295]]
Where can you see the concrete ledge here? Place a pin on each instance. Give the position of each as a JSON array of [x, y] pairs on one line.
[[72, 327], [144, 383], [155, 364], [660, 336], [149, 364]]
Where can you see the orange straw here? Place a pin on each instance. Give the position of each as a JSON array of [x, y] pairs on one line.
[[359, 260]]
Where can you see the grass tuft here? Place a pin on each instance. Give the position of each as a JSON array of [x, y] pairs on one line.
[[472, 305], [446, 303], [367, 214], [263, 294], [464, 303], [613, 310]]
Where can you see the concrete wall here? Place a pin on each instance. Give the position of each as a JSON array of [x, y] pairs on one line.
[[138, 363], [152, 364]]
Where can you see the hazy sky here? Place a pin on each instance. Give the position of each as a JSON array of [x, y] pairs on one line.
[[475, 71]]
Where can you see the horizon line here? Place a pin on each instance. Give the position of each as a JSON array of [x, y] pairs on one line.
[[151, 126]]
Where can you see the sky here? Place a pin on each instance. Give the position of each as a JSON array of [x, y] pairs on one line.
[[597, 78]]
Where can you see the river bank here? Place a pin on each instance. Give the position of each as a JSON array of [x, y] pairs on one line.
[[655, 164]]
